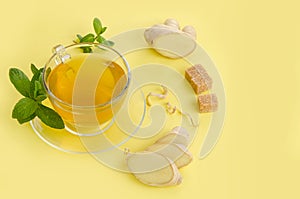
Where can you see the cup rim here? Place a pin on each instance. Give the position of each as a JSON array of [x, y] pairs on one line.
[[112, 100]]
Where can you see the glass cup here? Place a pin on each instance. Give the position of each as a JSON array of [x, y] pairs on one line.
[[86, 89]]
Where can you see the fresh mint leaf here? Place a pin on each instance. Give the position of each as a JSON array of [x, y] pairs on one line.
[[99, 29], [37, 87], [43, 90], [49, 117], [103, 30], [100, 39], [86, 49], [24, 109], [88, 38], [34, 91], [97, 26], [23, 120], [20, 81], [41, 98], [34, 69], [79, 36]]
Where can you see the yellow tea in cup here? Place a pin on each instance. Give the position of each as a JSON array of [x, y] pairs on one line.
[[87, 90]]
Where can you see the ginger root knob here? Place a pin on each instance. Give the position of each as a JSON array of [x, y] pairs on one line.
[[172, 22], [191, 31]]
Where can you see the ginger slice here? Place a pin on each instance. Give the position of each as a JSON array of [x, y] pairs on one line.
[[180, 130], [174, 138], [179, 154], [153, 169], [177, 135]]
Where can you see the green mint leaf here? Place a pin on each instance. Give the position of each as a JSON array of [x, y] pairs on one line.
[[103, 30], [48, 71], [88, 38], [37, 86], [41, 98], [86, 49], [108, 43], [79, 36], [100, 39], [37, 89], [49, 117], [20, 81], [34, 69], [33, 89], [23, 120], [42, 89], [24, 109], [97, 26]]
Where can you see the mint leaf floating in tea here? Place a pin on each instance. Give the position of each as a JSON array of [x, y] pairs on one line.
[[97, 37], [34, 93]]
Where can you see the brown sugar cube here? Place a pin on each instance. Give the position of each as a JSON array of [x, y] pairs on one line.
[[201, 83], [198, 78], [198, 85], [200, 69], [190, 73], [208, 103]]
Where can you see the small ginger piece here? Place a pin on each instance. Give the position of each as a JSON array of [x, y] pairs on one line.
[[178, 153], [181, 131], [174, 138], [153, 169], [172, 22], [191, 31], [208, 103], [177, 135], [160, 96], [198, 78]]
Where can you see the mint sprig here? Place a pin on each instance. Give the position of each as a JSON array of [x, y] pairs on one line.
[[34, 93], [96, 38]]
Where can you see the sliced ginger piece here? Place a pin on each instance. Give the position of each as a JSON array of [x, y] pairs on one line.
[[178, 153], [180, 130], [153, 169], [177, 135], [173, 138]]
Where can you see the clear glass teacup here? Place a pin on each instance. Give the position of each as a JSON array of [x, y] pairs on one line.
[[86, 89]]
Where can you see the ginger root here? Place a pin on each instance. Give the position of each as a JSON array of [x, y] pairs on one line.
[[177, 135], [168, 40], [158, 165], [142, 165], [172, 22], [179, 154]]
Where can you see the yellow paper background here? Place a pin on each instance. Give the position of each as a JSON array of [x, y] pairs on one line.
[[255, 45]]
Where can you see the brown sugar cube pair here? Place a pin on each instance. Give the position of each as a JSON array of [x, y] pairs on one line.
[[201, 82], [198, 78], [208, 103]]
